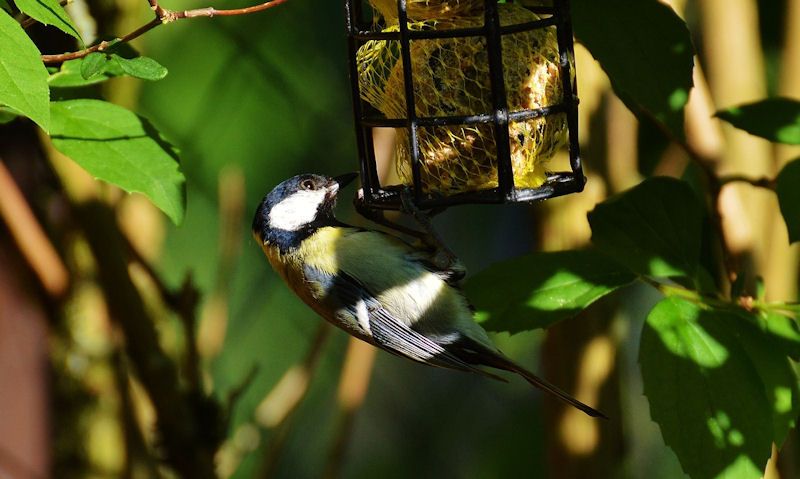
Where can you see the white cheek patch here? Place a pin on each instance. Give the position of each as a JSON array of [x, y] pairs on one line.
[[297, 210]]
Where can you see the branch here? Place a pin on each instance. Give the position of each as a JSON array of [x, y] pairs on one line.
[[183, 302], [353, 385], [764, 182], [277, 409], [714, 185], [30, 237], [163, 16], [182, 424]]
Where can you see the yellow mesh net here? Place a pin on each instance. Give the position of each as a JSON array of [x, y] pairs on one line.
[[418, 10], [451, 77]]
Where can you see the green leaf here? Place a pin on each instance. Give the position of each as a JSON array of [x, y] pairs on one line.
[[93, 64], [141, 67], [654, 228], [705, 393], [645, 49], [6, 6], [788, 189], [23, 77], [98, 67], [7, 115], [49, 12], [783, 331], [776, 119], [69, 76], [536, 290], [777, 374], [117, 146]]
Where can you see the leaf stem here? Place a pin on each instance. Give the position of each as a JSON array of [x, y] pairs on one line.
[[163, 16], [671, 290]]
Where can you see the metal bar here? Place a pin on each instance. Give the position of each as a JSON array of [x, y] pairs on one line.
[[371, 170], [519, 115], [351, 19], [455, 32], [570, 90], [557, 184], [505, 174], [411, 111]]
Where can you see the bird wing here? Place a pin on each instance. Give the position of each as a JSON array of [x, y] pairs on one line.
[[387, 331]]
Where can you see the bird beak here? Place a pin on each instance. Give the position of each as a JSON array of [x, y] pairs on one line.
[[345, 179]]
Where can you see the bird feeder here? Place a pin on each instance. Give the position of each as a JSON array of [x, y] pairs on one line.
[[480, 95]]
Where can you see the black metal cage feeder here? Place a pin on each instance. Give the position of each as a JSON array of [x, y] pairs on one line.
[[382, 197]]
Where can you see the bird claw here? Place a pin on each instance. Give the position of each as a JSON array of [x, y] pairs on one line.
[[442, 257]]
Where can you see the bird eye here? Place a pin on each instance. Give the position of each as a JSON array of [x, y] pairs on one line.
[[307, 185]]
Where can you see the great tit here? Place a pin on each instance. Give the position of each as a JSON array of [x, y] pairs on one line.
[[374, 285]]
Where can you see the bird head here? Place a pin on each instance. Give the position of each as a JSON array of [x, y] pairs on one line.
[[297, 207]]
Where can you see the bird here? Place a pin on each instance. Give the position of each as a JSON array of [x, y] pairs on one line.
[[376, 286]]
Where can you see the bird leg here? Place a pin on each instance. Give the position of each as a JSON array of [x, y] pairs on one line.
[[442, 257], [378, 216], [439, 256]]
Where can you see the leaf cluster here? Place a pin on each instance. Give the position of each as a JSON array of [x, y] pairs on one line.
[[110, 142], [700, 353], [718, 371]]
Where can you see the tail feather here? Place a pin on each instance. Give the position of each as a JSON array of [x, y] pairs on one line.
[[476, 353], [554, 390]]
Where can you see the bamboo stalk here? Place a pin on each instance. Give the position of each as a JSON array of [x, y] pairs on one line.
[[781, 274], [735, 69]]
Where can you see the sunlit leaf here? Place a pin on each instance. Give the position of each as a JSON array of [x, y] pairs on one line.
[[536, 290], [117, 146], [783, 331], [23, 77], [98, 67], [705, 392], [93, 64], [654, 228], [49, 12], [645, 49], [141, 67], [776, 119], [788, 189], [69, 76]]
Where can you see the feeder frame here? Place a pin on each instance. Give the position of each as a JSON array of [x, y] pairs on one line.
[[376, 196]]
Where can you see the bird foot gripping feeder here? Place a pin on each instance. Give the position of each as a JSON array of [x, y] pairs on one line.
[[480, 95]]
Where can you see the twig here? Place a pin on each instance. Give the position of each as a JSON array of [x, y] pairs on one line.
[[135, 444], [714, 185], [278, 407], [163, 16], [237, 391], [764, 182], [184, 302], [33, 243], [353, 386], [188, 299], [183, 427], [167, 295]]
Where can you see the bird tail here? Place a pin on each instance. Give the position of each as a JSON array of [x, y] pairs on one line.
[[474, 352], [552, 389]]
